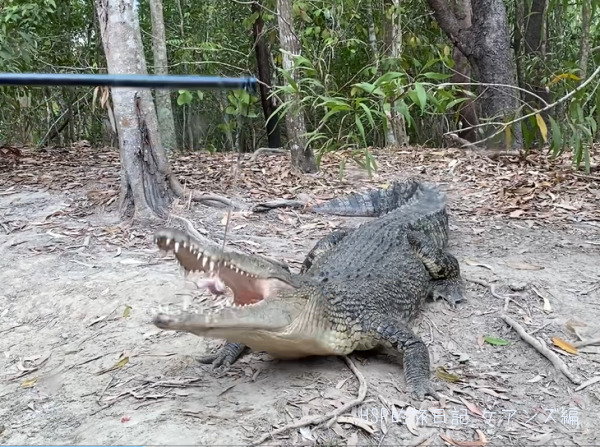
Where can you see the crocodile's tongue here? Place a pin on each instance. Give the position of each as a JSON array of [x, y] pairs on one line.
[[245, 290]]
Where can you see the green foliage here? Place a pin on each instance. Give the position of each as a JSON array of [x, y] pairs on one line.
[[345, 92]]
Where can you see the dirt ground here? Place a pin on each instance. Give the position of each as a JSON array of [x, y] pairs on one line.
[[82, 363]]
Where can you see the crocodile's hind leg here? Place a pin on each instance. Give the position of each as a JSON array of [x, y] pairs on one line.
[[322, 247], [391, 334], [442, 267], [225, 356]]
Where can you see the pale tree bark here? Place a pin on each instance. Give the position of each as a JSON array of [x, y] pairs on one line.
[[462, 73], [263, 63], [164, 108], [586, 18], [302, 156], [486, 45], [396, 131], [147, 184]]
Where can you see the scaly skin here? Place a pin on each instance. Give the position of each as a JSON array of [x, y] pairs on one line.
[[357, 290]]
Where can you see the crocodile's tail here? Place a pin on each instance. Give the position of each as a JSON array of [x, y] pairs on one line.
[[377, 202]]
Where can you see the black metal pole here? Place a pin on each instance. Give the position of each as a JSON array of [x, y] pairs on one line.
[[139, 81]]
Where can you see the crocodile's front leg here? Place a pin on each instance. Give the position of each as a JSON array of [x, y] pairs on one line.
[[443, 268], [396, 335], [225, 356]]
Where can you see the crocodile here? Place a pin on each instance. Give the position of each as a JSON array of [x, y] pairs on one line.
[[358, 288]]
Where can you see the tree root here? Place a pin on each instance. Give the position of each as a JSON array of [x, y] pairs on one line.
[[331, 417], [542, 349], [212, 200]]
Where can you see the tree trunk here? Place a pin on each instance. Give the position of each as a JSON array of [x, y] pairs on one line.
[[302, 156], [146, 181], [487, 47], [263, 63], [586, 18], [533, 48], [396, 132], [164, 108], [462, 73]]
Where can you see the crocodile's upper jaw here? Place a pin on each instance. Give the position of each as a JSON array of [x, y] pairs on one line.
[[250, 278]]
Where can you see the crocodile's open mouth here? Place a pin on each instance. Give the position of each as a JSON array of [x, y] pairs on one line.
[[249, 286]]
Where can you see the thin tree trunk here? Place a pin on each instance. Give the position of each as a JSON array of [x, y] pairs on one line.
[[533, 48], [397, 124], [164, 108], [487, 46], [145, 174], [462, 73], [586, 18], [263, 63], [302, 156]]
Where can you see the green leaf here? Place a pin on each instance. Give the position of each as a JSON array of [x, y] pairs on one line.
[[557, 140], [436, 76], [421, 95], [185, 97], [495, 341], [455, 102], [368, 113], [361, 129], [370, 88]]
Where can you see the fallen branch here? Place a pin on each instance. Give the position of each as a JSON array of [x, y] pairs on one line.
[[266, 150], [277, 203], [542, 349], [212, 200], [331, 417]]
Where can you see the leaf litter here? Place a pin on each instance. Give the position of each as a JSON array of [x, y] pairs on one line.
[[527, 193]]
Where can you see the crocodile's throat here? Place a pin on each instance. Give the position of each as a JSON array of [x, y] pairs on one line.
[[215, 270]]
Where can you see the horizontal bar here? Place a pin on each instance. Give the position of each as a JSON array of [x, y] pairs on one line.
[[142, 81]]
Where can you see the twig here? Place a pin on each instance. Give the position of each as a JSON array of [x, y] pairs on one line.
[[583, 343], [542, 349], [266, 150], [332, 416]]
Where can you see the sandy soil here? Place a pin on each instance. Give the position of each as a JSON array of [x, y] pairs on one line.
[[82, 363]]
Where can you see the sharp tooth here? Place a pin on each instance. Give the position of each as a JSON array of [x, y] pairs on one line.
[[167, 241], [184, 244], [204, 261], [176, 247], [211, 266], [199, 256]]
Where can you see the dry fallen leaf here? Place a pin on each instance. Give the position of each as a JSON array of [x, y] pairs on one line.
[[29, 383], [481, 442], [120, 364], [411, 420], [352, 440], [442, 374], [357, 422], [523, 266], [478, 264], [565, 346]]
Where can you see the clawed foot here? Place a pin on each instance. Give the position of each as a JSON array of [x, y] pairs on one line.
[[222, 360], [425, 387]]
